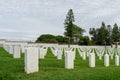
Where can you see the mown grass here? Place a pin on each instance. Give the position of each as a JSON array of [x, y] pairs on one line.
[[52, 69]]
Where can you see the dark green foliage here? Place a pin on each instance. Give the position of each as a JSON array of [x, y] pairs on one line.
[[102, 35], [115, 33], [61, 39], [109, 40], [69, 24], [48, 38], [85, 41], [77, 31], [105, 34]]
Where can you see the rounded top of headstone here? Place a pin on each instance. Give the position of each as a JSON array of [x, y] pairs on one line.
[[106, 55]]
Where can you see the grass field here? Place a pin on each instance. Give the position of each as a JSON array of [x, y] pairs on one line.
[[52, 69]]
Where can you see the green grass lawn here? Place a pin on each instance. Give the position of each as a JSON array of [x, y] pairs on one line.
[[52, 69]]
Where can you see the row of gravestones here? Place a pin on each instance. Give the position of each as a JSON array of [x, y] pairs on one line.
[[69, 60], [91, 55], [32, 55], [99, 53], [13, 49], [70, 56], [16, 50], [84, 54]]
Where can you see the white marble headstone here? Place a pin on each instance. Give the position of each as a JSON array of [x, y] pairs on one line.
[[83, 55], [42, 53], [16, 53], [11, 49], [59, 54], [116, 60], [91, 60], [31, 60], [106, 60], [69, 60]]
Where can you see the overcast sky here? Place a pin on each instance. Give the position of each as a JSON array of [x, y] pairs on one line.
[[27, 19]]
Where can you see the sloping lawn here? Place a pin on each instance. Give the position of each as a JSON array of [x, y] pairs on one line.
[[52, 69]]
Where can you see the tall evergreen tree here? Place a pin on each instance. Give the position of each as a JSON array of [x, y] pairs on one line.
[[103, 34], [116, 33], [69, 24], [100, 35], [72, 31]]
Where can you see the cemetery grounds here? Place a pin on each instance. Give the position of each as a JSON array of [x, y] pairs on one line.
[[51, 68]]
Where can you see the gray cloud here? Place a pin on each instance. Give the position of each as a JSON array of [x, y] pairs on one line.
[[27, 19]]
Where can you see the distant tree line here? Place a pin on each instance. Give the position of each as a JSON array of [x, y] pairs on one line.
[[104, 35], [49, 38]]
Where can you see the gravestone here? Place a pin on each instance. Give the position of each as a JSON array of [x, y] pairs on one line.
[[59, 54], [42, 53], [11, 49], [106, 60], [16, 53], [91, 60], [116, 60], [69, 60], [83, 55], [31, 60]]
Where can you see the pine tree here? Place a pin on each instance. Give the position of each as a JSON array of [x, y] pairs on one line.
[[103, 34], [69, 25], [115, 33]]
